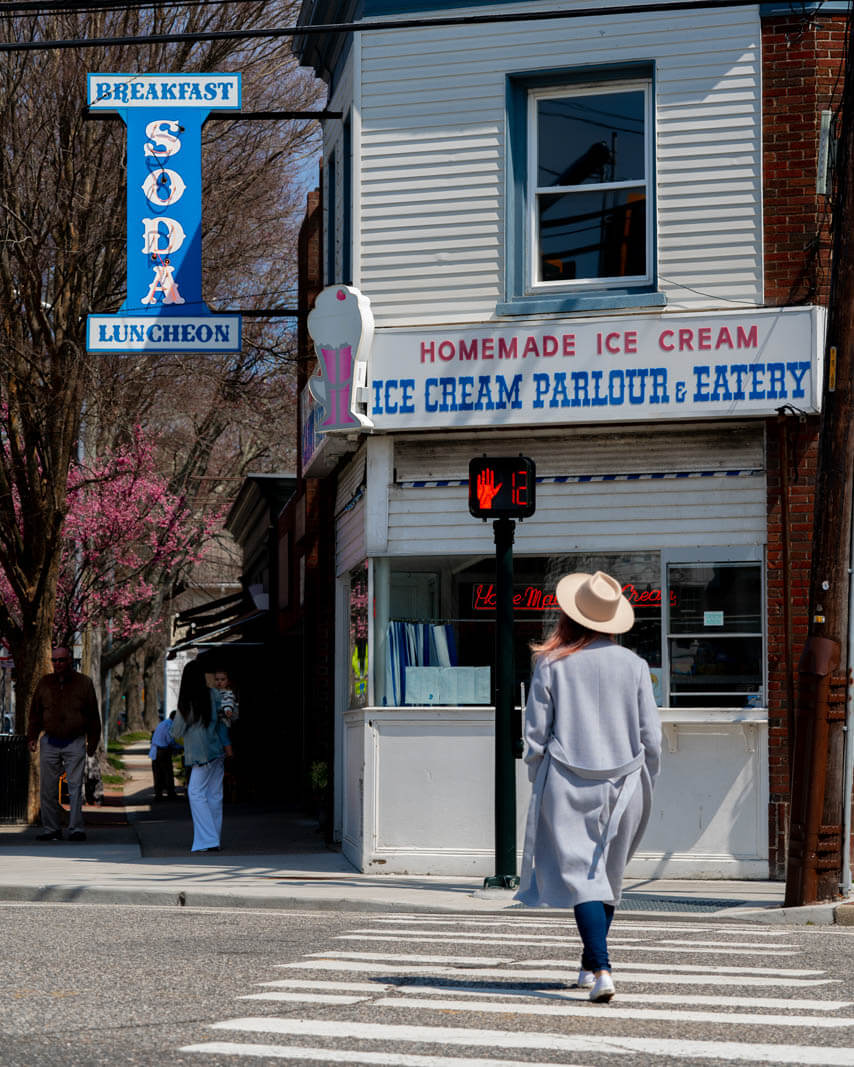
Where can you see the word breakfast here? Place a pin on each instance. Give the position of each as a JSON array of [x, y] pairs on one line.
[[180, 91]]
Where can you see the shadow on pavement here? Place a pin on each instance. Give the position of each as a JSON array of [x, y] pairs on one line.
[[131, 815]]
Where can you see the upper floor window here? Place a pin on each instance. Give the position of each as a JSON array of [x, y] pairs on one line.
[[589, 158], [581, 191]]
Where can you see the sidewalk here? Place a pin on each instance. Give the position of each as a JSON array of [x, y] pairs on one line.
[[137, 852]]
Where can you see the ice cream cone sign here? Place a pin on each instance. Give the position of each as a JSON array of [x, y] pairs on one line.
[[342, 329]]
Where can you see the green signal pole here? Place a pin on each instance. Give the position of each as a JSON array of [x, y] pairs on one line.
[[507, 740]]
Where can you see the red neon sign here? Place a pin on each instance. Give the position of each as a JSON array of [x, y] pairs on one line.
[[534, 598]]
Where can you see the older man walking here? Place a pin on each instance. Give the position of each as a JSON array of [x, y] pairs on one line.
[[65, 712]]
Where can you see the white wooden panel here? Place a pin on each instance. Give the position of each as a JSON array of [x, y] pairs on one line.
[[350, 515], [608, 516], [350, 478], [613, 514], [350, 539], [710, 804], [420, 796], [353, 763], [333, 143], [593, 451], [432, 154]]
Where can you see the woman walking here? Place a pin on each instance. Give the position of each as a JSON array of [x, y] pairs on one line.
[[206, 744], [593, 745]]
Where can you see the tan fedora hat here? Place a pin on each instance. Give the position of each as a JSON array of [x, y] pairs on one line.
[[596, 601]]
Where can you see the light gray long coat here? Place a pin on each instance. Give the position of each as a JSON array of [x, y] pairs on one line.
[[593, 747]]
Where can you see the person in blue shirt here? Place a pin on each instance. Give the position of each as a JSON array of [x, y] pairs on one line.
[[206, 744], [163, 746]]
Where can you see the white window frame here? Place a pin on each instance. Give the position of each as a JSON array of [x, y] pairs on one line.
[[535, 283], [710, 556]]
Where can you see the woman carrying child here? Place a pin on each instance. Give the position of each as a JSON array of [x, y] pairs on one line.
[[206, 744]]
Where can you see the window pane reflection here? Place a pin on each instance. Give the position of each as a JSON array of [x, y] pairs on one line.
[[591, 138], [593, 235], [720, 672], [725, 599]]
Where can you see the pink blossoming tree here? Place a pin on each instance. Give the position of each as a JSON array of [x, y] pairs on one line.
[[127, 541]]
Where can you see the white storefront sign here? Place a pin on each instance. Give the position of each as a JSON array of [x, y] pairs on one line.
[[640, 367]]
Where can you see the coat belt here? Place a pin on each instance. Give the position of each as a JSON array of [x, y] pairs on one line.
[[630, 773]]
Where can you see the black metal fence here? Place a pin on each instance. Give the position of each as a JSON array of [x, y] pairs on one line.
[[14, 777]]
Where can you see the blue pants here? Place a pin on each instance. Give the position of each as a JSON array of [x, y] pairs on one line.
[[593, 919]]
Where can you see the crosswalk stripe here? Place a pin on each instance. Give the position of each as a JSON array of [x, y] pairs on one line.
[[732, 1051], [620, 939], [540, 923], [479, 961], [442, 989], [577, 1008], [683, 968], [513, 940], [687, 943], [651, 976], [633, 965], [355, 987], [305, 998], [337, 1055]]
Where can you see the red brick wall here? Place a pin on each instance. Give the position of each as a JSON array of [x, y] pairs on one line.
[[801, 62], [790, 504], [801, 76]]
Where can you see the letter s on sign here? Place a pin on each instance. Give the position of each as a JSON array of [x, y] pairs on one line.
[[164, 143]]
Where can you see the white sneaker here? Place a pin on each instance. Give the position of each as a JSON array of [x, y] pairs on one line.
[[603, 989], [586, 979]]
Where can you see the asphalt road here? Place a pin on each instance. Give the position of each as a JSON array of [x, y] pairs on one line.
[[95, 985]]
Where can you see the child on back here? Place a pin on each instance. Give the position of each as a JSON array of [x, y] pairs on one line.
[[229, 709]]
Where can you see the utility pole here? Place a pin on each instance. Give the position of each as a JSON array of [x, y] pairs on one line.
[[816, 843]]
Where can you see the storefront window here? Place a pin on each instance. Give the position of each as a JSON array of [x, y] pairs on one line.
[[359, 636], [445, 618], [715, 634], [697, 625]]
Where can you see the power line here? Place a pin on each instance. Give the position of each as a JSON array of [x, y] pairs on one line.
[[365, 27], [69, 7]]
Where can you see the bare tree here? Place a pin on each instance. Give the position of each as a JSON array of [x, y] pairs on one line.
[[62, 256]]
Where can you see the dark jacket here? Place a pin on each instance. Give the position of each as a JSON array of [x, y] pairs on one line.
[[66, 709]]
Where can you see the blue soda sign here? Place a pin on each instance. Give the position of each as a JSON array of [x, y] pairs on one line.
[[164, 310]]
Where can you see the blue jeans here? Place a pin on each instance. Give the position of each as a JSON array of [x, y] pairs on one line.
[[593, 919]]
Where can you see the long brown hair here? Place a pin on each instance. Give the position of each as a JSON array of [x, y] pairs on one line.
[[567, 637]]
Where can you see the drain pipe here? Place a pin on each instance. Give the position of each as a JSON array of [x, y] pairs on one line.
[[848, 786]]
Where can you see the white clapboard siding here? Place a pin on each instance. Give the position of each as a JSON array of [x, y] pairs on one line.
[[722, 503], [432, 160], [645, 450], [350, 515], [597, 516]]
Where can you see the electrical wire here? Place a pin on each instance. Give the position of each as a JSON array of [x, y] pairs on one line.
[[64, 7], [443, 21]]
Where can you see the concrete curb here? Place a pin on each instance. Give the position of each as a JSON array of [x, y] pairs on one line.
[[808, 915], [844, 913], [193, 897], [421, 900]]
